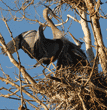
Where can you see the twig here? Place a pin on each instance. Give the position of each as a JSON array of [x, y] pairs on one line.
[[83, 105], [58, 107], [5, 21], [63, 22], [93, 67], [73, 18], [22, 69], [23, 90], [97, 8]]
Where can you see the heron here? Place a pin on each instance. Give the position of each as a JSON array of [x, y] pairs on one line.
[[71, 54], [37, 46]]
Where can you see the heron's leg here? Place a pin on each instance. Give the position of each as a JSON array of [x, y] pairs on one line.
[[51, 59], [44, 59]]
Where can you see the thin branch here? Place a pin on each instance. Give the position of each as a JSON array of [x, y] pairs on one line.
[[23, 90], [81, 16], [24, 7], [63, 22], [8, 95], [73, 18], [23, 71], [97, 9], [5, 21], [94, 64], [14, 93], [58, 107], [8, 7], [83, 105]]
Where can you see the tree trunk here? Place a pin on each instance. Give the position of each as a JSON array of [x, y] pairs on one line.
[[97, 33], [87, 37]]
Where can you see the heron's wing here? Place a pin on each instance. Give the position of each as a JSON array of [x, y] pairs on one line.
[[71, 55], [10, 45], [76, 50], [25, 39], [79, 53], [28, 42]]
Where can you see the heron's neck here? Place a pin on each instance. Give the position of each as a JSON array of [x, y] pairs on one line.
[[42, 37], [51, 24], [45, 15]]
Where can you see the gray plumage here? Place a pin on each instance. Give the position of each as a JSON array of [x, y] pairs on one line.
[[25, 40]]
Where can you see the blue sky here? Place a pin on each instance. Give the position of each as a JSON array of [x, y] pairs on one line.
[[19, 27]]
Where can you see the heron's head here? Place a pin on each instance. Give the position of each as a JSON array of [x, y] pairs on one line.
[[40, 34], [41, 28], [47, 11]]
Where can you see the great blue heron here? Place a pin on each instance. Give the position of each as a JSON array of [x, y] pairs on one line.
[[71, 54], [37, 46]]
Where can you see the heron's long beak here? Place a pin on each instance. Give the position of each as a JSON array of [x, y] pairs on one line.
[[41, 27], [51, 12], [55, 16], [78, 43]]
